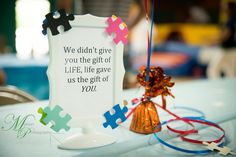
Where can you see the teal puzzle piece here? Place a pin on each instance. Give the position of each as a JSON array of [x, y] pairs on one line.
[[53, 116]]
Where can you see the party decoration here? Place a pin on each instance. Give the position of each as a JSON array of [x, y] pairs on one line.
[[40, 110], [145, 117], [204, 151], [183, 133], [52, 115], [222, 150], [85, 75], [114, 26], [52, 23], [84, 66], [112, 119], [158, 84]]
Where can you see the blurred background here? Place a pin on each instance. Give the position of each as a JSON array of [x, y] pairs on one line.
[[193, 39]]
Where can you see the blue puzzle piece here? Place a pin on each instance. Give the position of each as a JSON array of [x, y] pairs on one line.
[[111, 119], [53, 115]]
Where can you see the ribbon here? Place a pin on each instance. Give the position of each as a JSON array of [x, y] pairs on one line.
[[183, 133], [202, 121], [205, 122], [187, 132], [182, 149], [149, 37]]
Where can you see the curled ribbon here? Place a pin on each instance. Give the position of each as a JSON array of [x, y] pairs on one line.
[[183, 133]]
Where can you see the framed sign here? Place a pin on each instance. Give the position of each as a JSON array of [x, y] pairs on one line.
[[85, 70]]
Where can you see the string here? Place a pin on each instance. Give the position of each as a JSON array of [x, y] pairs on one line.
[[147, 23], [149, 38]]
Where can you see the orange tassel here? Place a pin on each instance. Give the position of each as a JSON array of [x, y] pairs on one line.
[[145, 117]]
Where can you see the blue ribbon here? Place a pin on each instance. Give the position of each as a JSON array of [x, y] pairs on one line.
[[150, 46]]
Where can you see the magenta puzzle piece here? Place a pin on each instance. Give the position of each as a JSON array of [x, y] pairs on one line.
[[114, 27]]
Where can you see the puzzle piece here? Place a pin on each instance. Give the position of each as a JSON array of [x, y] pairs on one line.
[[222, 150], [125, 102], [114, 24], [40, 110], [44, 31], [111, 119], [52, 23], [53, 116]]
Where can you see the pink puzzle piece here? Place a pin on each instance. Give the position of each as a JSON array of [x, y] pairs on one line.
[[114, 27]]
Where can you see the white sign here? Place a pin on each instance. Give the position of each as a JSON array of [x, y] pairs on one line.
[[85, 70]]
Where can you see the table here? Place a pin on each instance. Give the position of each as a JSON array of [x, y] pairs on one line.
[[216, 98]]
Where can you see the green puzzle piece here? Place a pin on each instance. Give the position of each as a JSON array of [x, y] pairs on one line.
[[40, 110]]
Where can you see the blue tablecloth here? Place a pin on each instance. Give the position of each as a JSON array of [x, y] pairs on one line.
[[28, 75]]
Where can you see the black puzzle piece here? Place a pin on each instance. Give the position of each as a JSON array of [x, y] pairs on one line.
[[53, 23]]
